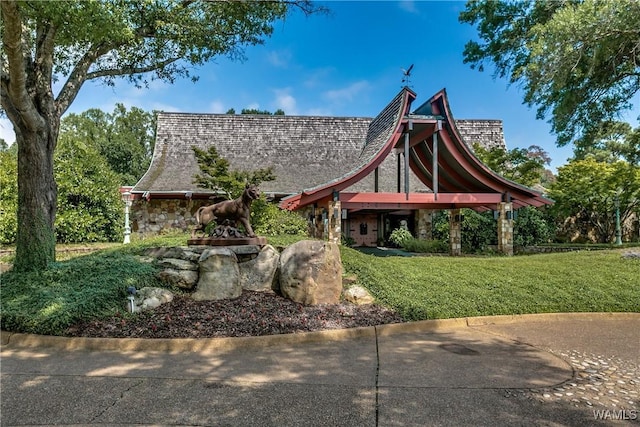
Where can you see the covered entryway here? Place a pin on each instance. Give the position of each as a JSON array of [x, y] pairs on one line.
[[427, 143]]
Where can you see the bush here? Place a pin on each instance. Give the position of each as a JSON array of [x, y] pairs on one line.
[[532, 227], [87, 287], [8, 196], [478, 230], [268, 219], [89, 205], [425, 246], [399, 236]]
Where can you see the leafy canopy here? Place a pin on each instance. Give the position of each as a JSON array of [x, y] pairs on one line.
[[124, 138], [577, 61], [524, 166], [589, 190], [216, 174]]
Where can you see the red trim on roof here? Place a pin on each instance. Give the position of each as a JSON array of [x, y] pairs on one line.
[[464, 181]]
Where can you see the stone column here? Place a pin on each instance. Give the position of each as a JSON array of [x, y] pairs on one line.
[[424, 224], [334, 216], [455, 232], [505, 228]]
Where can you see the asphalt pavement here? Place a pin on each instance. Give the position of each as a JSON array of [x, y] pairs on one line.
[[532, 370]]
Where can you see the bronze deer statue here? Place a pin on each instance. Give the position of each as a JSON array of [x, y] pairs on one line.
[[237, 210]]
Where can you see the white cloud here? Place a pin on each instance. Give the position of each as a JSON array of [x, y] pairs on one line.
[[6, 131], [348, 93], [279, 58], [285, 101], [253, 106]]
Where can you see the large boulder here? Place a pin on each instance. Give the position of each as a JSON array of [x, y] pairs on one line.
[[219, 275], [185, 279], [311, 272], [259, 273]]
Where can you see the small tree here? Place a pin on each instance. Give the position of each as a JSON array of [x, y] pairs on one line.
[[216, 174]]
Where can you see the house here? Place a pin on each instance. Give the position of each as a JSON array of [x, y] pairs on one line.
[[345, 174]]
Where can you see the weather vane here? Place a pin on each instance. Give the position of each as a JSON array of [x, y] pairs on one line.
[[407, 75]]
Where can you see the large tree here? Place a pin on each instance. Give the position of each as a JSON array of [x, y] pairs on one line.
[[72, 42], [125, 138], [578, 61], [524, 166], [589, 192]]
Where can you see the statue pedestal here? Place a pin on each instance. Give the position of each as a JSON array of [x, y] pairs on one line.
[[228, 241]]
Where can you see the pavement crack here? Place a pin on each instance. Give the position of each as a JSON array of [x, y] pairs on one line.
[[118, 399]]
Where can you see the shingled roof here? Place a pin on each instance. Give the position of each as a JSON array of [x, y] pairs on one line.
[[304, 151]]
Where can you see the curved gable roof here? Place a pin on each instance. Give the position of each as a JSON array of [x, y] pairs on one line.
[[458, 174], [382, 135]]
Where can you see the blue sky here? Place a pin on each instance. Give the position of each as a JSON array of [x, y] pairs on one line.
[[345, 64]]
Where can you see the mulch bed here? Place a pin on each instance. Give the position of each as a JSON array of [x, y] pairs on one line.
[[252, 314]]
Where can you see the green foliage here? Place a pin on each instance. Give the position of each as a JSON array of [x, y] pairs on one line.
[[124, 138], [89, 205], [72, 42], [589, 190], [92, 286], [524, 166], [8, 196], [278, 112], [576, 60], [425, 246], [532, 227], [399, 236], [478, 230], [268, 219], [610, 142], [215, 174], [422, 288]]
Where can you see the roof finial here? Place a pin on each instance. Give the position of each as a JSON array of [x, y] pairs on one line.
[[407, 75]]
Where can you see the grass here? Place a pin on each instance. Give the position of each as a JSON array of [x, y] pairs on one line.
[[94, 285], [446, 287]]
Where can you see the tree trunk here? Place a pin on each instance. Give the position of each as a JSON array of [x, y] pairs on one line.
[[37, 198]]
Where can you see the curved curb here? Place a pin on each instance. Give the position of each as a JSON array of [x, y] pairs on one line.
[[182, 345]]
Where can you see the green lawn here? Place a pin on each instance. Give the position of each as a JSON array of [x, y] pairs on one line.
[[94, 285], [445, 287]]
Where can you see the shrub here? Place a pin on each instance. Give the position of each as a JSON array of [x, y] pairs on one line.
[[532, 227], [8, 196], [268, 219], [425, 246], [399, 236]]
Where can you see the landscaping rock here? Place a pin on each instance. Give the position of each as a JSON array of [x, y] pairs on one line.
[[260, 273], [149, 298], [631, 255], [311, 272], [358, 295], [185, 279], [177, 264], [219, 275]]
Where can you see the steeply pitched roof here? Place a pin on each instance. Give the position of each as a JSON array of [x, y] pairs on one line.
[[305, 151], [436, 153]]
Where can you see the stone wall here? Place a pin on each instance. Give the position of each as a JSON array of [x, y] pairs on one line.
[[164, 215]]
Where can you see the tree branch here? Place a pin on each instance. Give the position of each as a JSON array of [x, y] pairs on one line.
[[78, 76], [16, 85], [130, 70]]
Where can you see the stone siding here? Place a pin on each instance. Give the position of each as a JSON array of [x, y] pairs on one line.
[[164, 215]]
